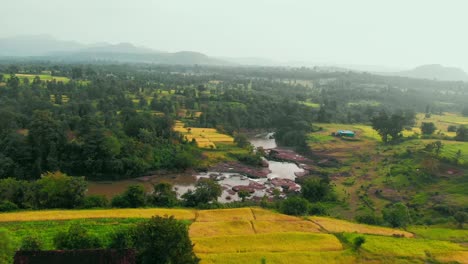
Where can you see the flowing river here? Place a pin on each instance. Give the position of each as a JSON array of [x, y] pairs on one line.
[[281, 176]]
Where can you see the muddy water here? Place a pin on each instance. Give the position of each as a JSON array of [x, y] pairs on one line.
[[183, 182]]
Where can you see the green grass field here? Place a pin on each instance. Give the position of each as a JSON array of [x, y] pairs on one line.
[[43, 77]]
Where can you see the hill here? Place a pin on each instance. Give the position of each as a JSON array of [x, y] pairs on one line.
[[45, 47], [435, 71]]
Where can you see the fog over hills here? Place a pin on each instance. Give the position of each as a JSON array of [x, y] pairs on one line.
[[48, 48]]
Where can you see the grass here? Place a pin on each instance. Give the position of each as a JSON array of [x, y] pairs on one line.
[[339, 226], [238, 214], [332, 257], [44, 77], [224, 228], [391, 246], [266, 227], [268, 215], [438, 233], [279, 242], [90, 214]]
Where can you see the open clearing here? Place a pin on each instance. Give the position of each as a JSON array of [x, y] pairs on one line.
[[43, 77], [205, 137]]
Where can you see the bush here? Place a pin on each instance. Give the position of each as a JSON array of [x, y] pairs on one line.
[[452, 128], [31, 243], [95, 201], [317, 209], [120, 202], [396, 215], [207, 191], [7, 249], [358, 241], [164, 240], [76, 237], [164, 195], [368, 218], [133, 197], [123, 239], [427, 128], [7, 206], [295, 206]]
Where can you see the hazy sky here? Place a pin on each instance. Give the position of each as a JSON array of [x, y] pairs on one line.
[[400, 33]]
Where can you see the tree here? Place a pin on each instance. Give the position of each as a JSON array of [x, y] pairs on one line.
[[316, 190], [207, 191], [295, 206], [358, 241], [76, 237], [58, 190], [388, 126], [461, 217], [396, 215], [164, 240], [164, 195], [427, 128], [133, 197], [462, 133], [243, 194]]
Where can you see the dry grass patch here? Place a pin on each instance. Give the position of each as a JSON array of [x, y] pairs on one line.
[[89, 214], [339, 226], [238, 214], [205, 137], [457, 256], [332, 257], [210, 229], [265, 227], [279, 242], [267, 215]]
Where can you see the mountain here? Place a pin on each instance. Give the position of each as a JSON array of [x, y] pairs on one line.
[[435, 71], [45, 47]]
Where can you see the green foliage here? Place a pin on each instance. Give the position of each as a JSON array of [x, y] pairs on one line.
[[295, 206], [57, 190], [7, 248], [7, 206], [317, 190], [428, 128], [164, 240], [95, 201], [31, 242], [397, 215], [133, 197], [358, 241], [207, 191], [388, 125], [461, 218], [462, 133], [77, 237], [163, 195], [369, 218], [123, 238]]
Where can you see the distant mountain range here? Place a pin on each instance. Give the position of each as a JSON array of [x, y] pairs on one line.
[[45, 47]]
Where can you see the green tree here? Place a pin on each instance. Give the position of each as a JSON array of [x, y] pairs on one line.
[[358, 241], [164, 240], [77, 237], [388, 126], [133, 197], [316, 190], [243, 194], [207, 191], [396, 215], [461, 218], [295, 206], [163, 195], [58, 190], [427, 128], [462, 133]]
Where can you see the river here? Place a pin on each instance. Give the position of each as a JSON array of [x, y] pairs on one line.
[[282, 174]]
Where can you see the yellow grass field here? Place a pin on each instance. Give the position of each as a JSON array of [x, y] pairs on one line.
[[229, 228], [338, 226], [205, 137], [238, 214], [280, 242], [107, 213], [266, 227], [267, 215], [334, 257]]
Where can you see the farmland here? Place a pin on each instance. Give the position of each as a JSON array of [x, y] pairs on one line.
[[43, 77], [205, 137], [252, 235]]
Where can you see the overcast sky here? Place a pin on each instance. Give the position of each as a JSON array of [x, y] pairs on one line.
[[398, 33]]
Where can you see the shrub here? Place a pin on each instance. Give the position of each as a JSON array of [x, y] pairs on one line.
[[76, 237], [358, 241], [123, 239], [317, 209], [7, 206], [7, 249], [368, 218], [133, 197], [31, 243], [95, 201], [164, 195], [396, 215], [120, 202], [452, 128], [164, 240], [427, 128], [295, 206]]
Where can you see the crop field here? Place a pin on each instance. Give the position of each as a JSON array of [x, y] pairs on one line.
[[254, 235], [340, 226], [205, 137], [442, 122], [44, 77]]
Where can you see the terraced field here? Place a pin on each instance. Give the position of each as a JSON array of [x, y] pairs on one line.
[[254, 235]]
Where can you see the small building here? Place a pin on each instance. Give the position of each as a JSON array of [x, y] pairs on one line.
[[345, 133]]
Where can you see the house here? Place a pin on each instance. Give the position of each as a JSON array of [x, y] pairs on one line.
[[345, 133]]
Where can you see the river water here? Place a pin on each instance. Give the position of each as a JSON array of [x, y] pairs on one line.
[[183, 182]]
